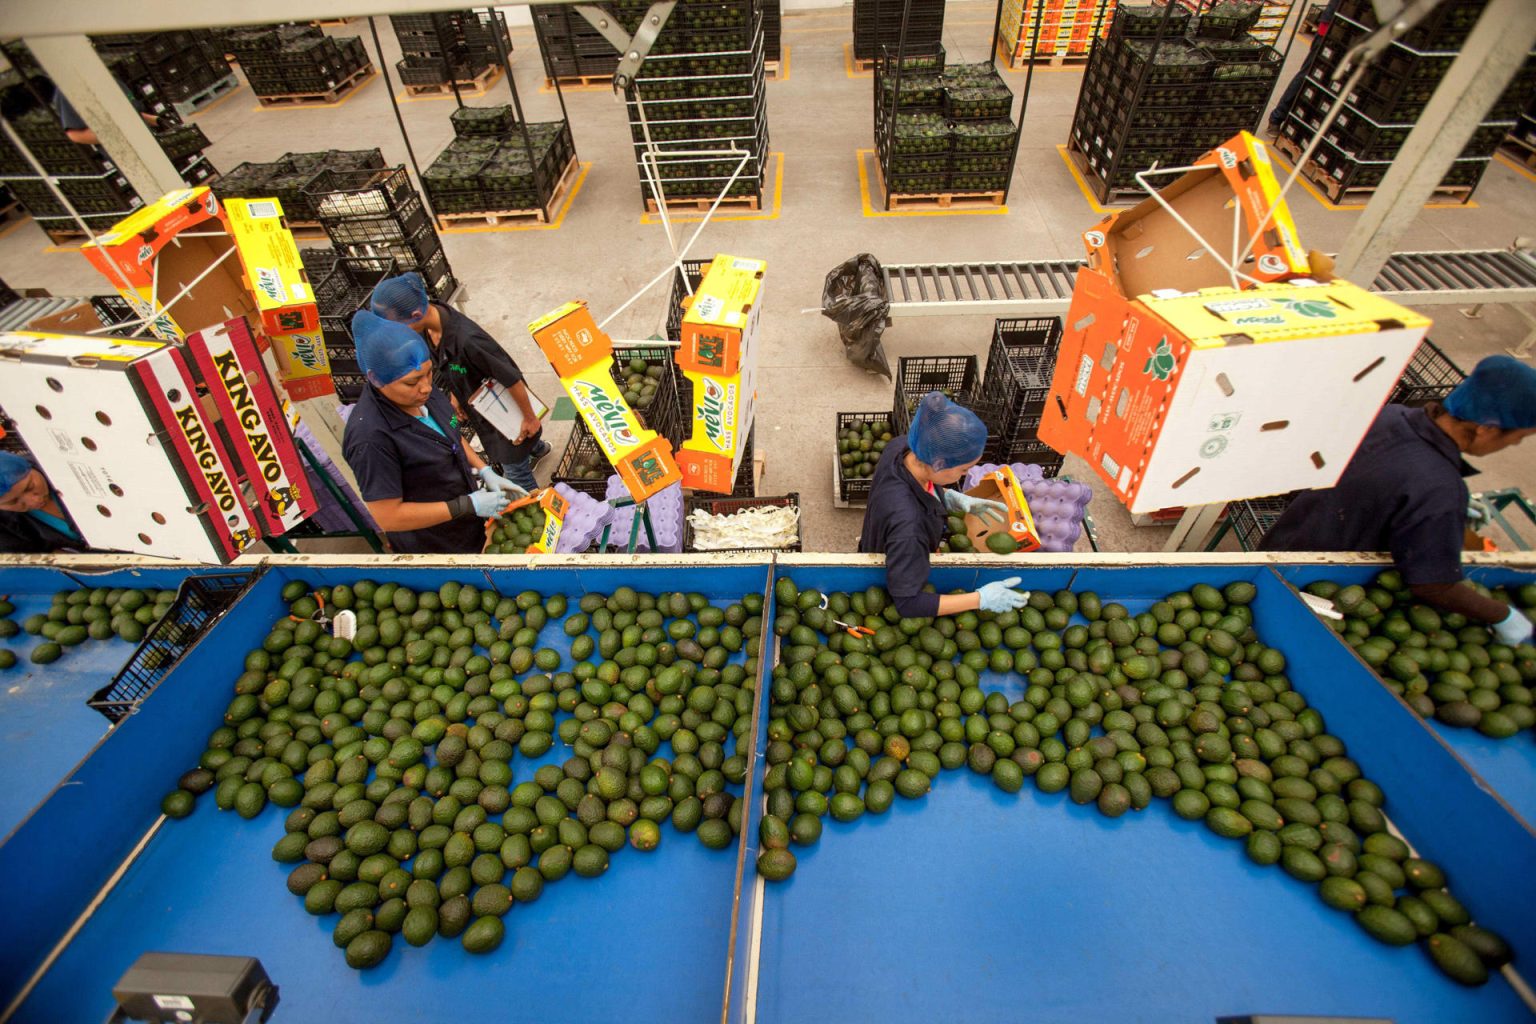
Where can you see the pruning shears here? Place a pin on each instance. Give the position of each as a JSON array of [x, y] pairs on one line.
[[858, 632], [343, 625]]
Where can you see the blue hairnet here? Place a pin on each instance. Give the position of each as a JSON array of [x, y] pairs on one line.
[[12, 469], [386, 350], [402, 299], [945, 435], [1501, 392]]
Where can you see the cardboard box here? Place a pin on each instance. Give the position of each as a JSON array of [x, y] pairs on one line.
[[570, 338], [303, 365], [117, 427], [555, 508], [1144, 249], [1001, 485], [227, 360], [723, 410], [1223, 394], [274, 274], [720, 325]]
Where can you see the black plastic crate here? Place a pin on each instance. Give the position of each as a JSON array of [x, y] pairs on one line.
[[393, 227], [1026, 449], [345, 289], [958, 377], [1227, 20], [480, 121], [337, 192], [200, 601], [1429, 377], [1133, 20], [1250, 520], [855, 490], [666, 414], [729, 506], [684, 283], [583, 466]]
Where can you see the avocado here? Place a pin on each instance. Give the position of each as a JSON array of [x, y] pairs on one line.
[[1387, 925], [1342, 894], [1456, 959], [1001, 543], [484, 935], [179, 803], [1264, 847], [775, 865], [46, 653]]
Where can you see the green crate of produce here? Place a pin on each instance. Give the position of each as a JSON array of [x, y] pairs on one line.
[[920, 133], [980, 102], [983, 136]]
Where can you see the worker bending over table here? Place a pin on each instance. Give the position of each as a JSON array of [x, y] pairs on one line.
[[1405, 490], [909, 499], [402, 441]]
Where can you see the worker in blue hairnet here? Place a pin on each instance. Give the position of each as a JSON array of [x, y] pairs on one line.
[[464, 359], [909, 500], [32, 519], [1404, 491], [402, 442]]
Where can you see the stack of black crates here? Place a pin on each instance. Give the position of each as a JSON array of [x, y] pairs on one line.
[[494, 164], [702, 92], [297, 60], [1166, 86], [570, 46], [773, 31], [378, 215], [877, 26], [455, 46], [183, 66], [1381, 111], [344, 287], [288, 179], [951, 130]]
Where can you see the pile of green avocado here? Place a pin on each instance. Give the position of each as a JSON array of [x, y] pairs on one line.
[[394, 752], [1442, 665], [1182, 702], [86, 613]]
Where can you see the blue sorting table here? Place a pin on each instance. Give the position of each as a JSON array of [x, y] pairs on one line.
[[45, 725], [645, 942], [1508, 765], [972, 904]]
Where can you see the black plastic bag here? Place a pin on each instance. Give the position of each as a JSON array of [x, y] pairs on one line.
[[854, 299]]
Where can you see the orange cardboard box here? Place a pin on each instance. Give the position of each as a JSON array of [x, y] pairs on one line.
[[1222, 394], [570, 338], [555, 507], [720, 325], [1144, 249], [1001, 485]]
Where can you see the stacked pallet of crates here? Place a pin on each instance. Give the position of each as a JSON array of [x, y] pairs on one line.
[[1153, 94], [298, 60], [878, 26], [942, 129], [702, 91], [1066, 29], [288, 179], [185, 67], [1379, 114], [379, 215], [458, 46], [492, 165], [183, 143], [1521, 140], [570, 46], [345, 288], [773, 32]]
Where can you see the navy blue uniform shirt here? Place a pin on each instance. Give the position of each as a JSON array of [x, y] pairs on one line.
[[905, 523], [396, 456], [466, 358], [1403, 492]]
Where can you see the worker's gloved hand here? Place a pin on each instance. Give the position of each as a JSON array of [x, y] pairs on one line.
[[1000, 597], [994, 512], [1478, 510], [1514, 629], [494, 481], [488, 503]]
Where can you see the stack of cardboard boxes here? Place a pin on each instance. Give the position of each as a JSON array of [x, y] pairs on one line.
[[718, 354]]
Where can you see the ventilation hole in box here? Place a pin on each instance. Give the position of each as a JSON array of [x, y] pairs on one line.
[[144, 539], [1123, 403], [1143, 253], [1225, 384], [198, 510], [1317, 459], [1062, 406], [1181, 481], [1094, 405], [173, 395], [1361, 375], [106, 513], [1084, 323], [1275, 425], [44, 413], [1194, 254], [88, 444], [116, 490], [1111, 350], [103, 418], [55, 385], [157, 517]]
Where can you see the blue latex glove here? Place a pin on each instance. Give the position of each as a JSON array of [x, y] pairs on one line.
[[1514, 629], [494, 481], [994, 512], [1478, 510], [1000, 597], [488, 503]]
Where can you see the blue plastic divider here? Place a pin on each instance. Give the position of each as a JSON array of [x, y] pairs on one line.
[[646, 942], [974, 904]]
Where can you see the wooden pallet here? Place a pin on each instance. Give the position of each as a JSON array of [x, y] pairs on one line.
[[1096, 184], [580, 81], [937, 200], [1057, 60], [228, 84], [1519, 150], [862, 65], [307, 231], [538, 215], [1340, 194], [692, 205], [355, 81], [771, 69], [479, 83], [323, 22]]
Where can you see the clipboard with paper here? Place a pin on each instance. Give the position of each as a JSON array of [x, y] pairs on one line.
[[494, 401]]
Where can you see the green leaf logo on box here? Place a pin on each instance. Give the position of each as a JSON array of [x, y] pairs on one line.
[[1318, 309], [1160, 363]]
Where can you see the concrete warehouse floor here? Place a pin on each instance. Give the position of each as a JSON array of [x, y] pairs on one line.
[[819, 119]]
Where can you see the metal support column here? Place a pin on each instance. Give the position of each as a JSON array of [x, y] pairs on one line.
[[1493, 52], [77, 70]]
